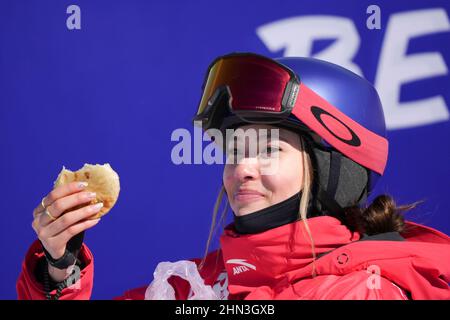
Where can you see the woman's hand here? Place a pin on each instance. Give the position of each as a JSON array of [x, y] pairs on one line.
[[60, 225]]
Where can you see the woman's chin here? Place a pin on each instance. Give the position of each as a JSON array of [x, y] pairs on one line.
[[248, 209]]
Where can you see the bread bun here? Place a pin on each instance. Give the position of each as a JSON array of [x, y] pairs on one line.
[[101, 179]]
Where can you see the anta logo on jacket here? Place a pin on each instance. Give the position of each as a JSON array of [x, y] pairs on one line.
[[242, 265]]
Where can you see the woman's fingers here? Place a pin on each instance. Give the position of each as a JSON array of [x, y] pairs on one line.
[[70, 218], [64, 190], [59, 192], [39, 209], [35, 224], [58, 207], [61, 215]]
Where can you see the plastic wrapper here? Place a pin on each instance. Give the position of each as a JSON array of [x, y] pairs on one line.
[[160, 288]]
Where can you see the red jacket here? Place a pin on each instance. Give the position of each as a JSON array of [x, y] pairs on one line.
[[278, 264]]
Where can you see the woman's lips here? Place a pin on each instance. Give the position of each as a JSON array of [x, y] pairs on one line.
[[248, 196]]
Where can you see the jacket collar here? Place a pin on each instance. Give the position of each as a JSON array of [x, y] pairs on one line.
[[272, 260], [263, 259]]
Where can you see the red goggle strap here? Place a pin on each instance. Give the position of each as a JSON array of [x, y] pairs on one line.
[[346, 135]]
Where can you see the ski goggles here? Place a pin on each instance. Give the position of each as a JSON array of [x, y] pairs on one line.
[[257, 89], [250, 86]]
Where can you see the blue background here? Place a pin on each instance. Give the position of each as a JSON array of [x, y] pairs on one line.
[[115, 90]]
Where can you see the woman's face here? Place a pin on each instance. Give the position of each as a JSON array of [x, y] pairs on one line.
[[266, 177]]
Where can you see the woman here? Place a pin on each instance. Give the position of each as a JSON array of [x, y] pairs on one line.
[[301, 229]]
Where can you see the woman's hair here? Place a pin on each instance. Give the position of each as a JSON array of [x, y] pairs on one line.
[[382, 215]]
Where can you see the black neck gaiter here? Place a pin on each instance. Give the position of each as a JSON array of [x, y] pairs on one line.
[[268, 218]]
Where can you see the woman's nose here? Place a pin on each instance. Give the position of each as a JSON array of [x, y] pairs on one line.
[[247, 169]]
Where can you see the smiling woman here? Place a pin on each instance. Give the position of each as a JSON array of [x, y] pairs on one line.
[[248, 190], [312, 209], [302, 227]]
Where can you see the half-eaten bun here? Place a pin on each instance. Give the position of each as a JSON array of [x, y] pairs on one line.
[[101, 179]]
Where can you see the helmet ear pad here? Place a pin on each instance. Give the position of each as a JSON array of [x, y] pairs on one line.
[[338, 182]]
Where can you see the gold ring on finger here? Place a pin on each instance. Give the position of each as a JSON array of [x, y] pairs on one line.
[[49, 214], [42, 203]]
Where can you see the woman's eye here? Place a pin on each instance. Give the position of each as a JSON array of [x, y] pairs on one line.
[[272, 149]]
